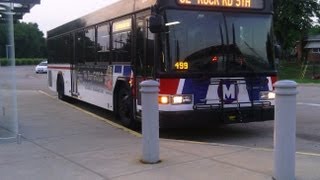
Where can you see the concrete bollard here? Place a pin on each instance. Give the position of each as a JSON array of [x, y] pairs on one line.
[[285, 130], [150, 121]]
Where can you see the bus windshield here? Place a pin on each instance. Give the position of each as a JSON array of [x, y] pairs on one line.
[[217, 43]]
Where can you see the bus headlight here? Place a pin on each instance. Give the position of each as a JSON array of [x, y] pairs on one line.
[[181, 99], [175, 99], [267, 95]]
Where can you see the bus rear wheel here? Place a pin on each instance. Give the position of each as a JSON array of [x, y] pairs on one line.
[[60, 88], [125, 106]]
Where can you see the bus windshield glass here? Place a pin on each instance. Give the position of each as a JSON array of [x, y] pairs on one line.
[[217, 43]]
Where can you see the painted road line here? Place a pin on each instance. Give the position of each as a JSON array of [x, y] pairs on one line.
[[96, 116], [308, 104]]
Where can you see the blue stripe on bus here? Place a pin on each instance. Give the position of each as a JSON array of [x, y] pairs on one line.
[[255, 86], [198, 88], [117, 69], [127, 70]]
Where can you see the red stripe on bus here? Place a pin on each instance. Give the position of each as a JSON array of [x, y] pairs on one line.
[[59, 67], [169, 86], [274, 79]]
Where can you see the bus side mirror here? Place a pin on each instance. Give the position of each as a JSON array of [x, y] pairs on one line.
[[277, 51], [156, 24]]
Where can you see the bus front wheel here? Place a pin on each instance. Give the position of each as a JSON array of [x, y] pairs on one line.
[[125, 106]]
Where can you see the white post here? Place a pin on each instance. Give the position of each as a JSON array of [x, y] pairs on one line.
[[150, 121], [285, 130]]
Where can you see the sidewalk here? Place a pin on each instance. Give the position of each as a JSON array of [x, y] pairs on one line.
[[62, 142]]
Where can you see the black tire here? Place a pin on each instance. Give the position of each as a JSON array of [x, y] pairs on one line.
[[124, 106], [60, 88]]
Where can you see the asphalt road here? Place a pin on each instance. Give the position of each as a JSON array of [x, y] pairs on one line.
[[259, 134]]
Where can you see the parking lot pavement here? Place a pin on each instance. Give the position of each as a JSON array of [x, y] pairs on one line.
[[63, 142]]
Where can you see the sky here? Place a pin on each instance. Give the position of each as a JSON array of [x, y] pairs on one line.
[[53, 13]]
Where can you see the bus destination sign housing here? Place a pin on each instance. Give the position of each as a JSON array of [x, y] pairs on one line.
[[242, 4]]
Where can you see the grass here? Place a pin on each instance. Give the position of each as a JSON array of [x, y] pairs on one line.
[[299, 72], [21, 61]]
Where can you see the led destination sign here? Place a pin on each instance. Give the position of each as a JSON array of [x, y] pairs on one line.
[[247, 4]]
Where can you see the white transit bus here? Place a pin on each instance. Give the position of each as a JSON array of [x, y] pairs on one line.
[[214, 59]]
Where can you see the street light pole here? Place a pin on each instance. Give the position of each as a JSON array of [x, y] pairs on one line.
[[12, 61]]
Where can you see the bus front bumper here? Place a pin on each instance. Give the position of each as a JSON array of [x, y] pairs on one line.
[[222, 116]]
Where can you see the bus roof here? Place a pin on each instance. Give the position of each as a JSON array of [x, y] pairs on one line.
[[115, 10], [125, 7]]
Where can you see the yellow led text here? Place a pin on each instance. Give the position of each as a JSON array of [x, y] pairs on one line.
[[219, 3], [182, 65], [185, 1]]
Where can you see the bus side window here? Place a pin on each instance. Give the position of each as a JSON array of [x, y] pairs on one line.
[[51, 50], [58, 50], [90, 45], [122, 46], [62, 49], [79, 41], [121, 41], [66, 45], [103, 43]]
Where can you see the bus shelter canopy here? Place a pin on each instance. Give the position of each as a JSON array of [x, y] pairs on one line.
[[19, 8]]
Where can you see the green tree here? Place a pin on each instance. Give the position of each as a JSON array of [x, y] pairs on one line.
[[29, 40], [293, 20]]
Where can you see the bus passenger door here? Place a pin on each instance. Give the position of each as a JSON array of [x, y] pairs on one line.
[[144, 58]]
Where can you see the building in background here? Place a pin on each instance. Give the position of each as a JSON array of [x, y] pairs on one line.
[[312, 48]]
